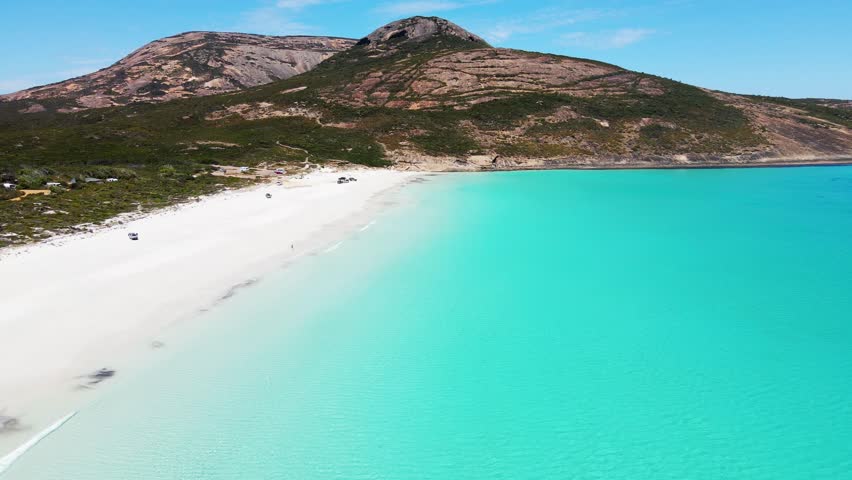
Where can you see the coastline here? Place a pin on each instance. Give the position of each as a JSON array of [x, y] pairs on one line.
[[710, 166], [487, 163], [192, 256], [80, 303]]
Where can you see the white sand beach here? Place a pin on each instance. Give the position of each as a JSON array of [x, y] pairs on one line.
[[73, 305]]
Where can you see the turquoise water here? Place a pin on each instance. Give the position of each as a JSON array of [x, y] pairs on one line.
[[573, 324]]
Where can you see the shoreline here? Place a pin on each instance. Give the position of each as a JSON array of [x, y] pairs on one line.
[[83, 302], [61, 335], [447, 165], [510, 164], [697, 166]]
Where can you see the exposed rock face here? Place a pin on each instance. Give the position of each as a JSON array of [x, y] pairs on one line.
[[474, 76], [790, 131], [261, 111], [186, 65], [416, 29]]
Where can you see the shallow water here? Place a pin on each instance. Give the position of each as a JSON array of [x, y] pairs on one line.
[[570, 324]]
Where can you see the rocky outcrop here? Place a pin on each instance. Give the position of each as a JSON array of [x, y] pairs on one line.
[[416, 29], [792, 132], [468, 77], [186, 65], [262, 111]]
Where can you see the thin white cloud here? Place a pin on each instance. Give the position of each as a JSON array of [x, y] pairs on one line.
[[272, 21], [280, 18], [411, 8], [629, 36], [606, 40], [544, 20], [301, 4], [419, 7]]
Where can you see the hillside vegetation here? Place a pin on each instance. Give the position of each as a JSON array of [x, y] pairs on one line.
[[419, 93]]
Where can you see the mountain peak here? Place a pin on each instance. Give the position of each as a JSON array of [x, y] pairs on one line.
[[417, 29]]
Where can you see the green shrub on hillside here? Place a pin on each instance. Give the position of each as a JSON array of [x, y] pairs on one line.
[[32, 178], [107, 172]]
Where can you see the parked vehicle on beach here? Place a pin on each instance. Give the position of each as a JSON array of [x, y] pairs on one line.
[[353, 179], [133, 236], [268, 195], [342, 180]]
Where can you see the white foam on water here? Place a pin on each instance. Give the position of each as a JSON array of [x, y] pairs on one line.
[[333, 247], [13, 456]]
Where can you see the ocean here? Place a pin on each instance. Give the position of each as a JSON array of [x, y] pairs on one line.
[[612, 325]]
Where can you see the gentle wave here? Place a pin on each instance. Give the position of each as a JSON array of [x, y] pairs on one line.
[[13, 456]]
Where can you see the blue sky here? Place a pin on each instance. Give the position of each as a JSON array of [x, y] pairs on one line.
[[783, 47]]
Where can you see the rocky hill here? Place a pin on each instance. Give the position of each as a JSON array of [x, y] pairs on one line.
[[185, 65], [435, 96], [417, 93], [421, 93], [387, 39]]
